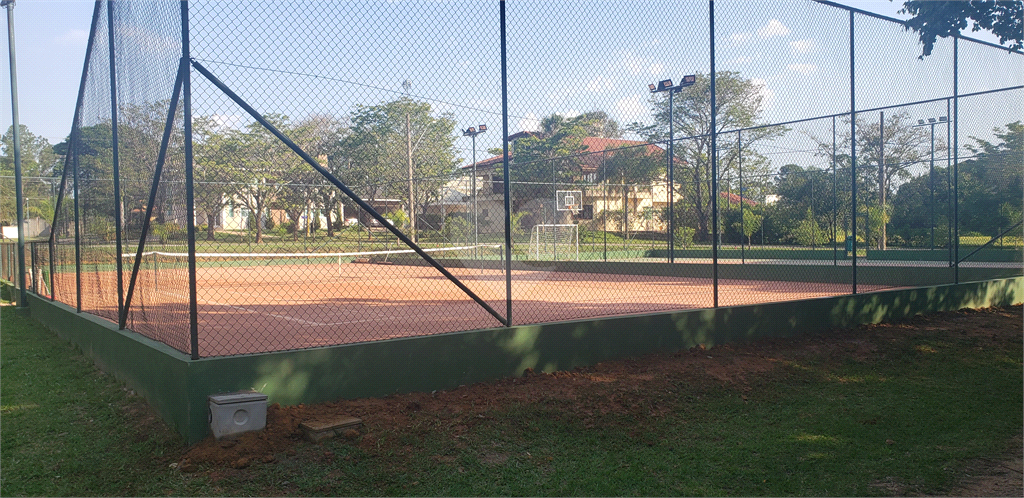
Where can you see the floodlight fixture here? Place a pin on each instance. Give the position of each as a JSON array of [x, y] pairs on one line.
[[921, 121], [473, 131], [943, 119], [667, 86]]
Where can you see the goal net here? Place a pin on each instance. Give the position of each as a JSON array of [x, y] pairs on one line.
[[555, 242]]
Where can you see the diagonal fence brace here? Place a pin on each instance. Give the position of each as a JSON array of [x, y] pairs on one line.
[[175, 94], [344, 189]]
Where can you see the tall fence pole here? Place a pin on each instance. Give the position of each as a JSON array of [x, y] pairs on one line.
[[835, 217], [714, 161], [74, 149], [853, 155], [881, 180], [949, 184], [956, 160], [19, 195], [508, 197], [118, 215], [743, 228], [186, 100]]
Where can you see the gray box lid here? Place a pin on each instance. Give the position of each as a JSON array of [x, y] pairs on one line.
[[239, 397]]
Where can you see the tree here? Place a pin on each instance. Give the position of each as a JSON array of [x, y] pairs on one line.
[[880, 166], [38, 164], [912, 209], [933, 19], [991, 183], [213, 150], [751, 223], [320, 135], [260, 168], [551, 156], [375, 154], [807, 232], [805, 195], [740, 103]]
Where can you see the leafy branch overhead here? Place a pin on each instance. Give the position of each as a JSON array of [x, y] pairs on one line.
[[934, 19]]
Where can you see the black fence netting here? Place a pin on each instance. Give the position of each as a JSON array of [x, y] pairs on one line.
[[343, 178]]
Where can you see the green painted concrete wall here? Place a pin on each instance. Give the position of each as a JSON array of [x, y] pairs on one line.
[[156, 371], [178, 387]]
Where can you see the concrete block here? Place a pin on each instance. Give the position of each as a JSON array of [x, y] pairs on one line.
[[232, 414]]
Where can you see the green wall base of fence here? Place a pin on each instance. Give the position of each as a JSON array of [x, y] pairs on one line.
[[177, 387]]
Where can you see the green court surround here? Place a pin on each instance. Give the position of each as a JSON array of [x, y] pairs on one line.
[[177, 387]]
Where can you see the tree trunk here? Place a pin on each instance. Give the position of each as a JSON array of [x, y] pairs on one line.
[[259, 220], [210, 222]]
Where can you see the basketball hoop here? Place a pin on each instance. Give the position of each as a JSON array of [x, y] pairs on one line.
[[569, 200]]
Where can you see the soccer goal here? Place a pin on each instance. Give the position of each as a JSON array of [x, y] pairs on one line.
[[557, 242]]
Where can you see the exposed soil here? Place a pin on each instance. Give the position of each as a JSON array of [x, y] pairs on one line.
[[618, 387]]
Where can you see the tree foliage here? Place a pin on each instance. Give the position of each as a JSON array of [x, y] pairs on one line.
[[933, 19], [38, 166], [739, 104]]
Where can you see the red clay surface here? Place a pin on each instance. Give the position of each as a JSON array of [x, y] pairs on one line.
[[253, 309]]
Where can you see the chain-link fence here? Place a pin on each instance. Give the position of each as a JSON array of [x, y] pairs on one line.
[[246, 177]]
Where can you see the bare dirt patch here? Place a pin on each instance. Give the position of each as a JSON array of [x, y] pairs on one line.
[[630, 387]]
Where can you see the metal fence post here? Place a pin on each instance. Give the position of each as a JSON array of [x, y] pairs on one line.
[[853, 155], [118, 215], [186, 97], [956, 160], [19, 196], [508, 199], [714, 161]]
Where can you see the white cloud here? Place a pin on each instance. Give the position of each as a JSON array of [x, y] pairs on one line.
[[626, 61], [73, 38], [600, 84], [772, 29], [530, 122], [739, 38], [656, 69], [802, 46], [632, 107], [804, 69]]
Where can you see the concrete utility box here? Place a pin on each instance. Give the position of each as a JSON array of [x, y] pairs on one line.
[[235, 413]]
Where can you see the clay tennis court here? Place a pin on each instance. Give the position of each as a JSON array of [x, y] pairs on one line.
[[254, 308]]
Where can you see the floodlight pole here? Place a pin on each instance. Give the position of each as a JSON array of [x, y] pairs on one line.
[[473, 132], [19, 195], [666, 86], [931, 169], [671, 182]]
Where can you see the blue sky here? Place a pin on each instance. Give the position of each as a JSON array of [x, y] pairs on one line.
[[52, 35]]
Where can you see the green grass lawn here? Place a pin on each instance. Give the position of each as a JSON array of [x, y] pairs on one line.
[[880, 410]]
